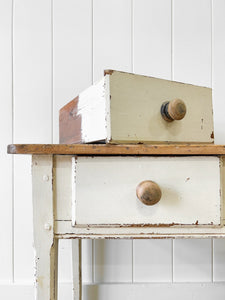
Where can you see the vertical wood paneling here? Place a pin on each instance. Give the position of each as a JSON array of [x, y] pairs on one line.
[[192, 41], [219, 260], [111, 36], [218, 75], [87, 264], [6, 138], [112, 261], [192, 260], [65, 261], [72, 72], [152, 38], [152, 261], [72, 53], [152, 56], [32, 111]]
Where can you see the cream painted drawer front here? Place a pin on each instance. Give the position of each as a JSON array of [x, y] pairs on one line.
[[104, 191], [126, 108]]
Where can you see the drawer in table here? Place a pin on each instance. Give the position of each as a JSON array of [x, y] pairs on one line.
[[104, 190], [130, 108]]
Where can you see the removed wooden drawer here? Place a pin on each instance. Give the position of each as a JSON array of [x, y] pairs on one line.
[[105, 190], [129, 108]]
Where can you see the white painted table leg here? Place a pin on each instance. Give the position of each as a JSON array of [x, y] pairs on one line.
[[77, 272], [46, 247]]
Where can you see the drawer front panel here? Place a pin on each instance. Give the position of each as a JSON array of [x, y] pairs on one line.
[[105, 190], [136, 110]]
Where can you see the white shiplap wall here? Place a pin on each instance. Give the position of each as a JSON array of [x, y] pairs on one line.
[[50, 50]]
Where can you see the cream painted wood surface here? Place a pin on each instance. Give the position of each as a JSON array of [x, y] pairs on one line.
[[62, 177], [135, 110], [124, 107], [46, 246], [91, 109], [111, 194], [64, 230]]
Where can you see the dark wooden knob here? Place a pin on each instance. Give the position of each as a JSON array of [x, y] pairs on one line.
[[148, 192], [173, 110]]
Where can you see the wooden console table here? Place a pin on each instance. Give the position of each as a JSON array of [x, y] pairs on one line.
[[89, 191]]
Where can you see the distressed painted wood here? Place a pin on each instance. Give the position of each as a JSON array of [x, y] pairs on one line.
[[64, 229], [111, 194], [126, 108], [46, 246], [50, 171], [96, 149], [77, 118], [62, 178], [77, 271]]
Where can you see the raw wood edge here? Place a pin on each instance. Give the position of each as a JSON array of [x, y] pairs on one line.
[[106, 149]]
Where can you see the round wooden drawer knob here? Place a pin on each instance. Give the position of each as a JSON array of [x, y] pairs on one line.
[[148, 192], [173, 110]]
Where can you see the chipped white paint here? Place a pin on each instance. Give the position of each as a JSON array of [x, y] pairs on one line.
[[92, 110], [55, 194], [106, 190], [62, 186], [46, 246], [63, 229], [134, 114], [73, 185]]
